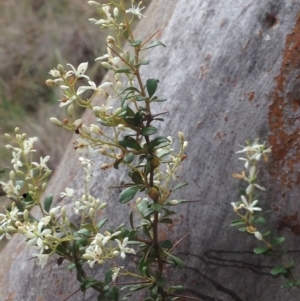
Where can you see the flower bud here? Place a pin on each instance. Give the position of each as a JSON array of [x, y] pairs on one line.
[[50, 83], [44, 186], [185, 144], [119, 86], [106, 65], [12, 175], [7, 136], [20, 172], [47, 173], [103, 206], [126, 56], [174, 202], [67, 222], [50, 237], [56, 122], [93, 3], [92, 212], [63, 212], [181, 137], [11, 228], [138, 200], [116, 253], [61, 69], [116, 12], [117, 111], [110, 40], [25, 215], [87, 257], [71, 110]]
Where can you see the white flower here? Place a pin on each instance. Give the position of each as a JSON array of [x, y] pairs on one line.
[[42, 164], [83, 146], [43, 258], [16, 160], [115, 273], [92, 86], [11, 189], [54, 72], [69, 193], [79, 73], [237, 207], [36, 236], [112, 60], [123, 248], [251, 180], [254, 152], [251, 207], [136, 10], [93, 254], [258, 235], [28, 145]]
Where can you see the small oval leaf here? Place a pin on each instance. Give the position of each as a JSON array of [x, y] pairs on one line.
[[149, 130], [128, 194]]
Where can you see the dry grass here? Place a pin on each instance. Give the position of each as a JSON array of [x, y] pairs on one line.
[[35, 36]]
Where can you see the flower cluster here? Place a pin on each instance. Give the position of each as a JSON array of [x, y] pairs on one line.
[[27, 175], [247, 204], [98, 251], [124, 132]]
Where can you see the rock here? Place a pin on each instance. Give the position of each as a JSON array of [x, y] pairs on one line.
[[230, 72]]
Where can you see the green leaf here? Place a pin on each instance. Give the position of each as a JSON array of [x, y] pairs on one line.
[[178, 262], [157, 141], [136, 43], [128, 158], [151, 85], [138, 116], [71, 266], [131, 220], [156, 207], [137, 178], [243, 229], [128, 194], [101, 223], [138, 287], [154, 291], [173, 289], [123, 70], [237, 223], [155, 44], [126, 34], [141, 98], [277, 240], [155, 99], [179, 185], [108, 277], [166, 221], [278, 271], [261, 250], [260, 220], [141, 63], [161, 282], [89, 227], [48, 202], [130, 143], [150, 130], [166, 244], [141, 159], [84, 232], [113, 293]]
